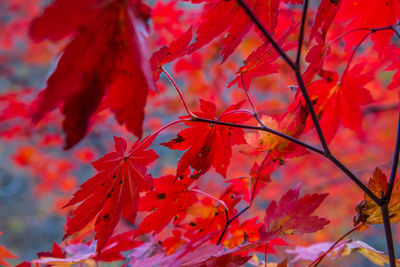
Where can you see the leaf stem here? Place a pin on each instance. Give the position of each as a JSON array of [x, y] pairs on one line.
[[220, 201], [152, 136], [229, 221], [178, 91], [372, 30], [321, 257], [255, 114]]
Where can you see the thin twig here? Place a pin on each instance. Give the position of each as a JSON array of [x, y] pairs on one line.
[[251, 102], [229, 221], [266, 33], [178, 91], [372, 30], [220, 201], [154, 135], [321, 257]]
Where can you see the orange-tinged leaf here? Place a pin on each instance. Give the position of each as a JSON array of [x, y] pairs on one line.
[[292, 123], [368, 211], [114, 191]]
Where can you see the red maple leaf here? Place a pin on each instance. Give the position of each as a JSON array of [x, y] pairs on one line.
[[262, 61], [235, 23], [292, 123], [166, 54], [113, 191], [369, 14], [293, 215], [209, 144], [106, 59], [168, 200], [341, 101], [326, 13]]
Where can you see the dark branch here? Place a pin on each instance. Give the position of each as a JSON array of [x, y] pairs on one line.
[[265, 32], [395, 163], [301, 34], [388, 234]]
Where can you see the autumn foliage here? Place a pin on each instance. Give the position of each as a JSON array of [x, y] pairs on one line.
[[258, 132]]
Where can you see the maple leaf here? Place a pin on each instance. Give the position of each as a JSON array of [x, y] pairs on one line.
[[326, 13], [293, 215], [292, 123], [209, 144], [166, 54], [113, 191], [210, 218], [340, 101], [369, 14], [262, 61], [167, 200], [368, 211], [5, 254], [246, 231], [243, 185], [235, 23], [106, 59]]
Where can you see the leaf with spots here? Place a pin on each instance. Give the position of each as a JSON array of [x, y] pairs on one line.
[[167, 201], [114, 191], [368, 211], [208, 144]]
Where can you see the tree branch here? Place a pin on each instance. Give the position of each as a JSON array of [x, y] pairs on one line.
[[266, 33], [395, 163], [388, 234], [301, 34]]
